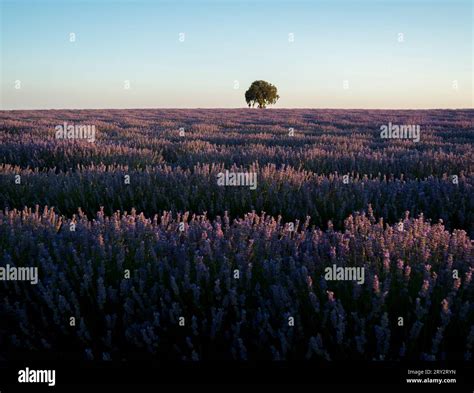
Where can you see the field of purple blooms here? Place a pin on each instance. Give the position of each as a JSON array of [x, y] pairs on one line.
[[217, 272]]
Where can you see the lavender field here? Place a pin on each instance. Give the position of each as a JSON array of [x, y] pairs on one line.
[[141, 253]]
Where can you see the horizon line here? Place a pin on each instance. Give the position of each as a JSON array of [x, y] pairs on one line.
[[233, 108]]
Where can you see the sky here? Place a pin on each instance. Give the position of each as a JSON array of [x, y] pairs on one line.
[[390, 54]]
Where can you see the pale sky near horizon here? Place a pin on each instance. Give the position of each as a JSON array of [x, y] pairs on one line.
[[344, 53]]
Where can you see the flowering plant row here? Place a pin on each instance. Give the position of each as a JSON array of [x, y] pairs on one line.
[[185, 287]]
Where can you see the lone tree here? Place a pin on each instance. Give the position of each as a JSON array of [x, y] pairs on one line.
[[261, 93]]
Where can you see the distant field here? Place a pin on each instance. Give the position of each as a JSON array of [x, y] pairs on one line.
[[244, 267], [298, 175]]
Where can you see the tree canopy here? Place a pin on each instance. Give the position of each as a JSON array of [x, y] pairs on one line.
[[261, 93]]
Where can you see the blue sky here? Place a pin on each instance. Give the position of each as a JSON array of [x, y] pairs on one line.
[[228, 41]]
